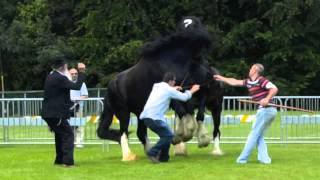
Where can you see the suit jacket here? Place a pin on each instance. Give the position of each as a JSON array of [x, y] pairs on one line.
[[56, 102]]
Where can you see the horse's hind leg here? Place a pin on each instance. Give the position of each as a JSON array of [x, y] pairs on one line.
[[143, 135], [104, 131], [124, 117], [216, 115]]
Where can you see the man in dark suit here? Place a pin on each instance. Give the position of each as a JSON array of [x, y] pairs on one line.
[[55, 109]]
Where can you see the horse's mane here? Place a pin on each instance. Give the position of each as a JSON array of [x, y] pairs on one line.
[[193, 39]]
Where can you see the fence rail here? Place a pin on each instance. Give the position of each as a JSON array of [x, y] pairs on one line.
[[20, 121], [93, 92]]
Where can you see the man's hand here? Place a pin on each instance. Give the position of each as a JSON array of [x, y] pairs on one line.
[[229, 81], [264, 102], [81, 67], [178, 88], [195, 88], [218, 77]]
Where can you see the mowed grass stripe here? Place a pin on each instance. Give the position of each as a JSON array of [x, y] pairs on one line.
[[35, 162]]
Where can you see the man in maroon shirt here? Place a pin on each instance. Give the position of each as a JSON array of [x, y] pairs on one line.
[[261, 90]]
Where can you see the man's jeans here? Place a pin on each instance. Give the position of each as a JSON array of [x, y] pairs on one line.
[[264, 118], [162, 147]]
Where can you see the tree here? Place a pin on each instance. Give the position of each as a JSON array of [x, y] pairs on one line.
[[106, 35]]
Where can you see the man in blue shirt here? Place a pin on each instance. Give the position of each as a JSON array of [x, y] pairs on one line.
[[155, 109], [77, 108]]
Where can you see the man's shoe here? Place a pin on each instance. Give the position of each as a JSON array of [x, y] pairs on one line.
[[154, 159], [164, 160], [68, 166]]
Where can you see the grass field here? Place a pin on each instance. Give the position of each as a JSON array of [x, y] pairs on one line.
[[35, 162]]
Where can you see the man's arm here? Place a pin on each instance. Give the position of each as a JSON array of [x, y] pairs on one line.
[[272, 92], [175, 94], [66, 83], [229, 81]]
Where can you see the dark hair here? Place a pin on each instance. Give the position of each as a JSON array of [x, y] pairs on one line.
[[58, 61], [169, 76]]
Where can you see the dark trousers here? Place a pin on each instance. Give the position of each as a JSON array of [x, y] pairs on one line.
[[161, 149], [63, 140]]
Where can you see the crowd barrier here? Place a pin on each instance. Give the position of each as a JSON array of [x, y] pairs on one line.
[[20, 121]]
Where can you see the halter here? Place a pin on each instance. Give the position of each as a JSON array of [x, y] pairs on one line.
[[201, 85], [189, 86]]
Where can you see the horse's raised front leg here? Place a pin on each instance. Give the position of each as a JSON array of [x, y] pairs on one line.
[[185, 127], [202, 132], [186, 124]]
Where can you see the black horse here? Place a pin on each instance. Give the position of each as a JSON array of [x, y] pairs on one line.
[[180, 53]]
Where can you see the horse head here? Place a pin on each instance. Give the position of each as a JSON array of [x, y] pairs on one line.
[[188, 42]]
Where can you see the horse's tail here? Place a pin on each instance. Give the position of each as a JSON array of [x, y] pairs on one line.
[[106, 117]]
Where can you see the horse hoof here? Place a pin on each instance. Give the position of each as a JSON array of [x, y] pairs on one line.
[[188, 135], [203, 144], [217, 153], [203, 141], [176, 140], [130, 157], [180, 149], [187, 138], [180, 154]]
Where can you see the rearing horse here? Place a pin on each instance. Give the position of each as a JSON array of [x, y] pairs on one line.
[[180, 53]]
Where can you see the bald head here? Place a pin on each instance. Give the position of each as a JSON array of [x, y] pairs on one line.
[[259, 68]]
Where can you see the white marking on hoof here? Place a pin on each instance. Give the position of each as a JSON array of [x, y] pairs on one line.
[[180, 149], [216, 150], [127, 155]]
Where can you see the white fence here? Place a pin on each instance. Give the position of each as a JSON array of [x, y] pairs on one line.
[[20, 121]]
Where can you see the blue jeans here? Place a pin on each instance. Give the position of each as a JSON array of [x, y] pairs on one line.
[[161, 149], [264, 118]]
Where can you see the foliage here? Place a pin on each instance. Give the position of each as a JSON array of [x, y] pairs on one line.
[[284, 35]]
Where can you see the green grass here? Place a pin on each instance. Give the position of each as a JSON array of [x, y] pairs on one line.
[[35, 162]]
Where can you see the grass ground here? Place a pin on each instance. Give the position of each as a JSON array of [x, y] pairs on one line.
[[35, 162]]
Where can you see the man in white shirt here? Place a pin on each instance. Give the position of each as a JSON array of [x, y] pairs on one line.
[[155, 109], [77, 109]]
